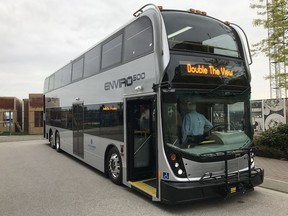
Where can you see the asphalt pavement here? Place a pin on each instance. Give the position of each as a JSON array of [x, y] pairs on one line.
[[275, 171], [36, 180]]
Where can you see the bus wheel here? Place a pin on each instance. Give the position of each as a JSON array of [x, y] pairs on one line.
[[114, 166], [51, 141], [57, 142]]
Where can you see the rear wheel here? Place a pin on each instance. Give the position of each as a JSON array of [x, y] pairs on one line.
[[51, 140], [57, 142], [114, 166]]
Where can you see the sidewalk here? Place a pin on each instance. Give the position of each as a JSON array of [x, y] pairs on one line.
[[275, 173], [14, 138]]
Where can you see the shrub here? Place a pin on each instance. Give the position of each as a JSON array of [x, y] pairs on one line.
[[274, 139]]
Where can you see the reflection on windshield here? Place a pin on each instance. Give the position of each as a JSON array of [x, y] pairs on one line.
[[191, 32], [201, 125]]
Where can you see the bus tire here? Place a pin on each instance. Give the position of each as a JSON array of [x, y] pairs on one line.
[[51, 141], [114, 166], [57, 142]]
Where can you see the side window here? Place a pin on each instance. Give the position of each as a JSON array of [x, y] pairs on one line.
[[92, 61], [58, 75], [112, 51], [51, 82], [92, 120], [46, 85], [111, 121], [105, 120], [63, 76], [66, 75], [138, 38], [77, 69], [66, 118]]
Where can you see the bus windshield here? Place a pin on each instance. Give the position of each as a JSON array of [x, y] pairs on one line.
[[190, 32], [206, 124]]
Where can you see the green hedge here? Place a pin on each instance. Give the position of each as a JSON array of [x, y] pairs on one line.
[[273, 142]]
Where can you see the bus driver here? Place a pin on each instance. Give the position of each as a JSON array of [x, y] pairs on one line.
[[194, 125]]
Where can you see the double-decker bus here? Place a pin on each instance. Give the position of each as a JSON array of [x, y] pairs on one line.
[[161, 106]]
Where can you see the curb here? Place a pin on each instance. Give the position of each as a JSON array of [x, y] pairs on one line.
[[274, 184]]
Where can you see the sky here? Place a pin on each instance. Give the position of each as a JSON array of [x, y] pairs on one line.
[[38, 37]]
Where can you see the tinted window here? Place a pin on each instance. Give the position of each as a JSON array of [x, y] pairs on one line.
[[138, 38], [66, 118], [192, 32], [104, 120], [59, 117], [58, 76], [51, 82], [92, 61], [92, 120], [63, 76], [53, 117], [46, 85], [111, 53], [66, 75], [77, 69]]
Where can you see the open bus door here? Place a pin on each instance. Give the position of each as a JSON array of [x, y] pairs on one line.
[[142, 145]]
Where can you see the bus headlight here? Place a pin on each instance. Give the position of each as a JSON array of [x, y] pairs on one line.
[[176, 163], [252, 157], [180, 172]]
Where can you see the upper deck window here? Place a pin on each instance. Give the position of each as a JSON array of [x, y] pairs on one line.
[[46, 85], [138, 39], [92, 61], [190, 32], [51, 82], [112, 52], [77, 69]]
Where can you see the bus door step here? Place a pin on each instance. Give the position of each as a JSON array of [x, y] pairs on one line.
[[147, 186]]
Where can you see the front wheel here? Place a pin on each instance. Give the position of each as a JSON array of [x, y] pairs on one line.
[[114, 166]]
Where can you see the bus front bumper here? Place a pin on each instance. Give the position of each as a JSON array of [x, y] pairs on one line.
[[178, 192]]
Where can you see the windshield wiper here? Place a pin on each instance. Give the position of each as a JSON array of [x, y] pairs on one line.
[[236, 152], [230, 90], [245, 90], [218, 87]]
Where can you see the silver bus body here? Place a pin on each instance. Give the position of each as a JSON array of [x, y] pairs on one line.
[[93, 117]]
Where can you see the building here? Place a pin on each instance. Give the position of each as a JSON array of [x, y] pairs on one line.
[[10, 114], [269, 113], [33, 114]]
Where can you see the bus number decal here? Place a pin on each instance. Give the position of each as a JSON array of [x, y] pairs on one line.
[[128, 81]]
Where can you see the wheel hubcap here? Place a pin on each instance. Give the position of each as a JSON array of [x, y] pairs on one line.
[[114, 165]]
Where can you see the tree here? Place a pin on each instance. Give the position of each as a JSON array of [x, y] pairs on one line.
[[273, 15]]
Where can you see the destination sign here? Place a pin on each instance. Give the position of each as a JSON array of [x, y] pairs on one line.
[[111, 108], [207, 70]]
